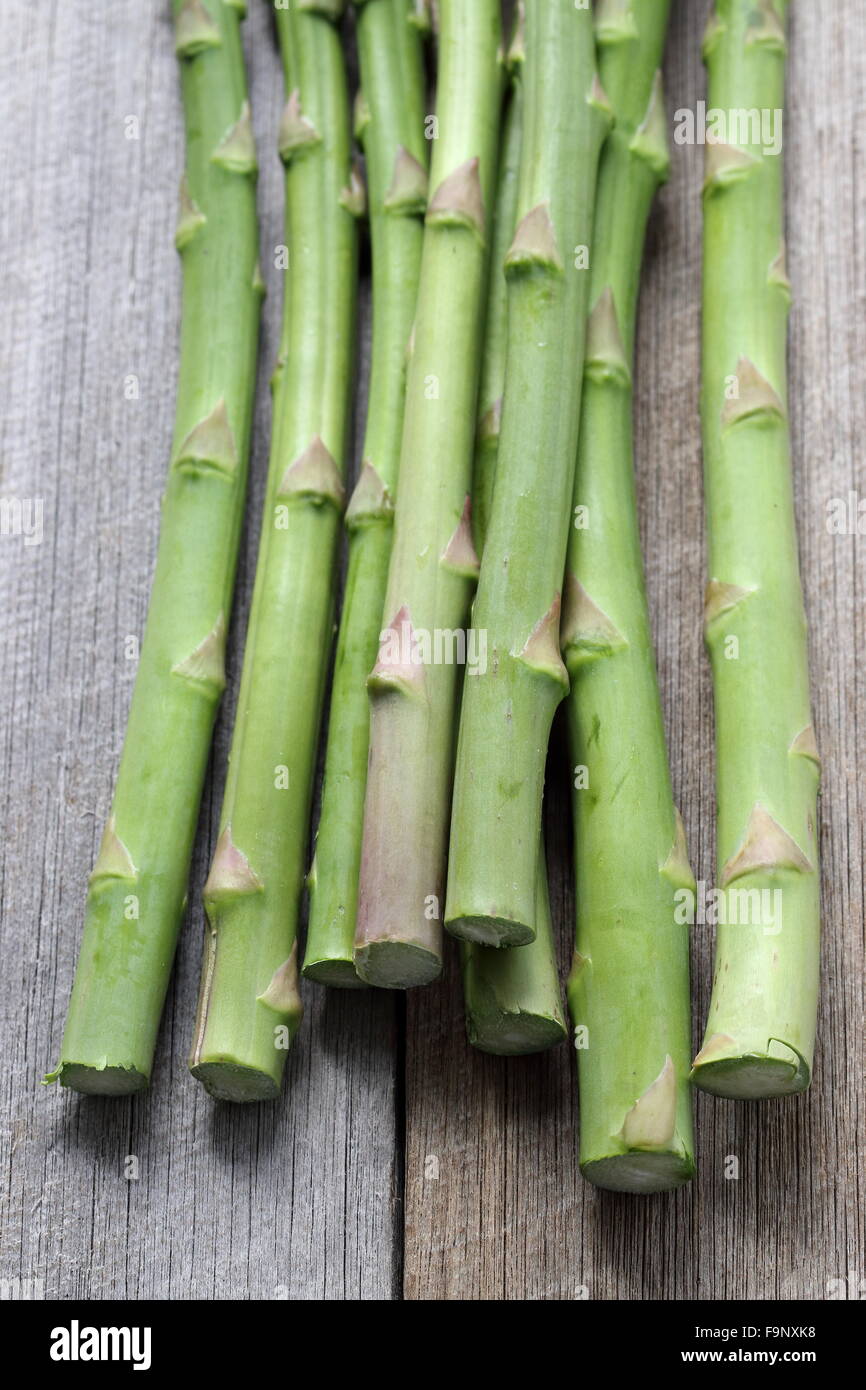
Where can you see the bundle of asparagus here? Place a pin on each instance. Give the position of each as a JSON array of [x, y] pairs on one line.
[[504, 317]]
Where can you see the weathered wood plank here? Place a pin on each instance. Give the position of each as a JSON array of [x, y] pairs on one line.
[[295, 1199], [508, 1215]]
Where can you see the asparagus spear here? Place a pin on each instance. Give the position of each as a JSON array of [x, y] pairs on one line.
[[433, 564], [629, 987], [137, 890], [513, 999], [392, 132], [760, 1033], [249, 1006], [508, 708], [492, 380]]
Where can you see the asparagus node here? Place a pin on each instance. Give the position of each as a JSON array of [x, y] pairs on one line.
[[392, 132], [413, 686], [629, 986], [508, 706], [760, 1033], [249, 1004], [137, 890]]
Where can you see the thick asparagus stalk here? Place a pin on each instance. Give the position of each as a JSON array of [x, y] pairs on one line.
[[392, 132], [249, 1006], [433, 564], [513, 998], [629, 987], [508, 708], [760, 1033], [138, 886]]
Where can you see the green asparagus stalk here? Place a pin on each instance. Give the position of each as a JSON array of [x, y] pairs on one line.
[[138, 887], [760, 1033], [513, 998], [413, 685], [508, 707], [496, 327], [392, 133], [249, 1006], [629, 987]]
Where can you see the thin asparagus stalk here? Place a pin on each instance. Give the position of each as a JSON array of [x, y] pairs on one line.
[[629, 987], [138, 887], [496, 327], [508, 708], [513, 998], [249, 1006], [760, 1034], [392, 132], [433, 564]]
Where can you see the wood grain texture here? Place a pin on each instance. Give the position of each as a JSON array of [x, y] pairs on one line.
[[316, 1197], [508, 1216]]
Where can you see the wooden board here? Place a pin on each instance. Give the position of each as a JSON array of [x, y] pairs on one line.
[[399, 1163]]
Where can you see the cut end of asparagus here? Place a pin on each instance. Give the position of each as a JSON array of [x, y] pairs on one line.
[[636, 1171], [490, 930], [336, 974], [514, 1034], [752, 1075], [396, 964], [227, 1080], [91, 1080], [513, 998]]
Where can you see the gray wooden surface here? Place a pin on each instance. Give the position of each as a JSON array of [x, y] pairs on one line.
[[398, 1163]]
